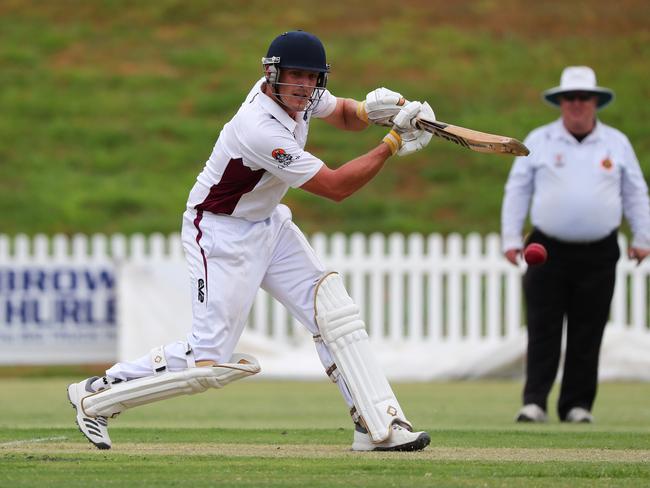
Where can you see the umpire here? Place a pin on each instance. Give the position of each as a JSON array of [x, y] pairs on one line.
[[580, 178]]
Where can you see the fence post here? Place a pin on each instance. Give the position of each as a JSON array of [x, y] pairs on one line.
[[157, 251], [175, 246], [79, 248], [21, 248], [473, 300], [4, 249], [99, 248], [118, 247], [377, 295], [261, 321], [454, 291], [513, 302], [395, 302], [434, 265], [138, 248], [415, 259], [41, 250], [60, 251], [358, 258], [493, 291], [639, 298]]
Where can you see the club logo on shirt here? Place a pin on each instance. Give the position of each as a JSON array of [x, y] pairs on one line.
[[607, 163], [559, 161], [283, 159]]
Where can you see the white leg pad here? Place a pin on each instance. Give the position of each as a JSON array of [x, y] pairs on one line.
[[128, 394], [345, 334]]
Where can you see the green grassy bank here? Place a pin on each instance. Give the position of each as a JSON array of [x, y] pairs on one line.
[[110, 108]]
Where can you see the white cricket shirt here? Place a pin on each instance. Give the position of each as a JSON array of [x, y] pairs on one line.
[[259, 154], [579, 190]]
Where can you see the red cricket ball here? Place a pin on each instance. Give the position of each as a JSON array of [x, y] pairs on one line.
[[535, 253]]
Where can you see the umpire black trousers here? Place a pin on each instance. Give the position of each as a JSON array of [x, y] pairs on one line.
[[576, 282]]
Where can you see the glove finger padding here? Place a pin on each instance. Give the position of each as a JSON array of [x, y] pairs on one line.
[[380, 106], [426, 112], [404, 120], [413, 140]]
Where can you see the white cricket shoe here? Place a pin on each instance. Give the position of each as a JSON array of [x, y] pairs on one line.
[[94, 428], [579, 415], [400, 439], [531, 413]]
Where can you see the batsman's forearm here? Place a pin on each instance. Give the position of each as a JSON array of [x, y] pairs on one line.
[[354, 174], [350, 115], [338, 184]]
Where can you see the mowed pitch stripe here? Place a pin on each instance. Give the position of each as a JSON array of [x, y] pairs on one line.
[[32, 441], [528, 455]]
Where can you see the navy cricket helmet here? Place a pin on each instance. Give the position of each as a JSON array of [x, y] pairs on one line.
[[297, 50]]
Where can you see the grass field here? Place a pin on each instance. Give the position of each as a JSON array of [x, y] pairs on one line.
[[262, 433], [110, 108]]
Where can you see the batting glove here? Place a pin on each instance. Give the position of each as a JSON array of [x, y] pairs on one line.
[[412, 139], [380, 106]]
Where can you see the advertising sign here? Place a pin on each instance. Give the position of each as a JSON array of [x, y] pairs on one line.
[[57, 314]]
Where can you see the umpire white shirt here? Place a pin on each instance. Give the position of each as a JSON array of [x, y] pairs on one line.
[[257, 157], [579, 190]]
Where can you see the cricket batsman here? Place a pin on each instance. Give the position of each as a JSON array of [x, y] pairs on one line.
[[238, 237]]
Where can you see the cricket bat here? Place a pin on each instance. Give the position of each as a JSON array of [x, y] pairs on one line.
[[471, 139]]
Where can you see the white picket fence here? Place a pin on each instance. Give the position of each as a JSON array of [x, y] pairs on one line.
[[418, 293], [418, 288], [410, 288], [430, 288]]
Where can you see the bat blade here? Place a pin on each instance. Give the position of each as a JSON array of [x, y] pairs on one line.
[[473, 139]]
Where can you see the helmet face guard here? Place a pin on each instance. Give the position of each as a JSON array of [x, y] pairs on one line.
[[301, 51]]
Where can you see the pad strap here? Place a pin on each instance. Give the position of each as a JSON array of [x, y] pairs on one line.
[[332, 372], [189, 356], [158, 359], [356, 418]]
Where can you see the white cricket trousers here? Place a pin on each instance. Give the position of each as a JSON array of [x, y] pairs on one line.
[[229, 259]]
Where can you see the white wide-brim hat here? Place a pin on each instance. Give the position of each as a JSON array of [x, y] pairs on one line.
[[578, 79]]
